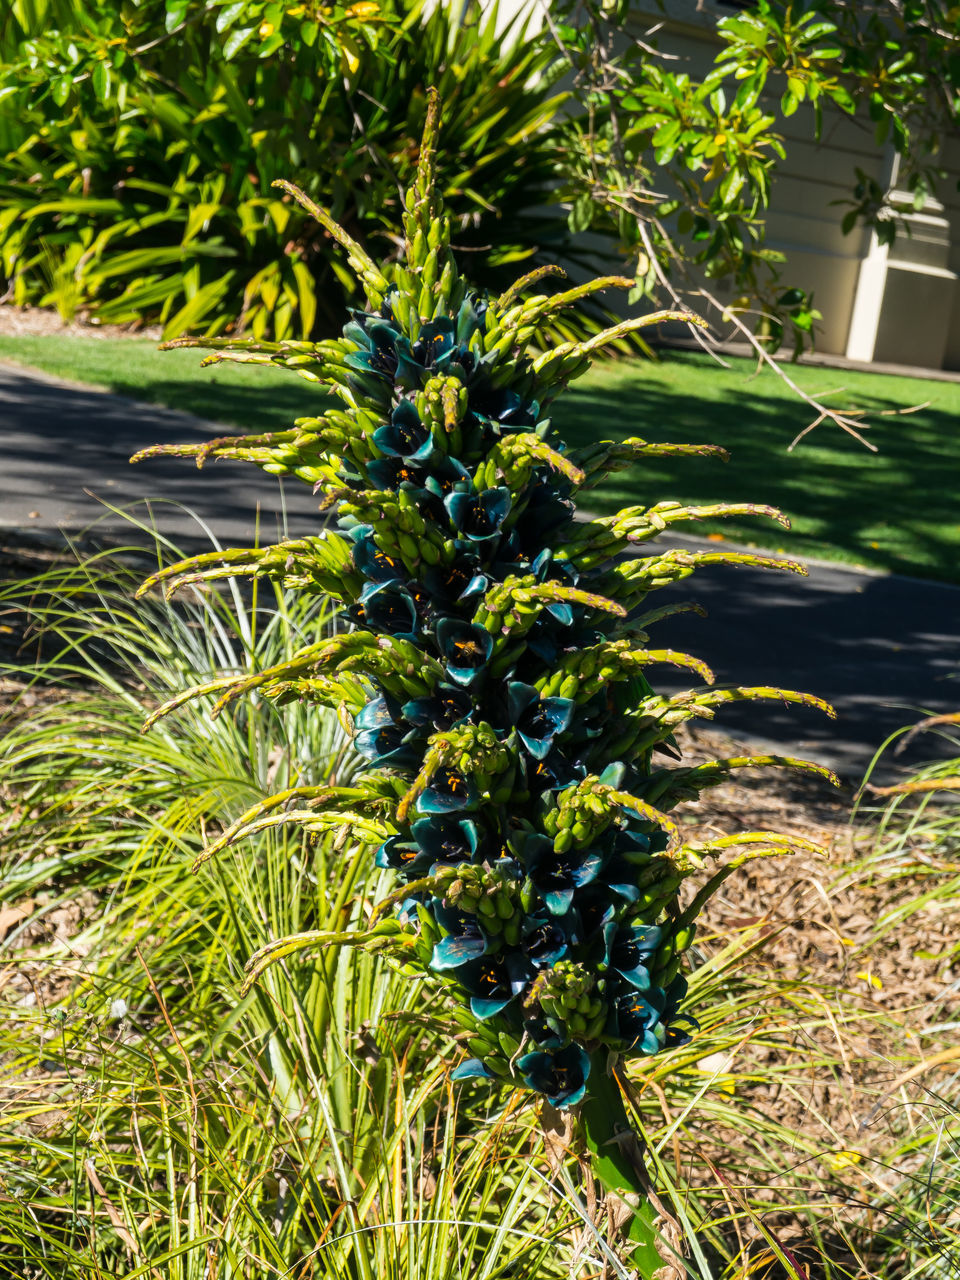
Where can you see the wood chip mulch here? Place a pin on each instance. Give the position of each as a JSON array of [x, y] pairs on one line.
[[883, 993], [45, 322]]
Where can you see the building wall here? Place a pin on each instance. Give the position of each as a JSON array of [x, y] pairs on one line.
[[901, 306], [949, 192]]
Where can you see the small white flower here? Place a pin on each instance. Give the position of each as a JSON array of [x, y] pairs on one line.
[[118, 1008]]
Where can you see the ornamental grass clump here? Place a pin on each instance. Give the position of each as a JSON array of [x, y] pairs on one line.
[[520, 769]]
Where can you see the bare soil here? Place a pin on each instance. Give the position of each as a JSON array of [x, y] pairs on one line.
[[45, 322]]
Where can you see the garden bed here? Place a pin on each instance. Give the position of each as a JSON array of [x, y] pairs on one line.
[[877, 1003]]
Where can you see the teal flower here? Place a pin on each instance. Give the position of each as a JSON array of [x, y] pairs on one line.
[[465, 941], [389, 607], [478, 516], [447, 706], [637, 1020], [373, 563], [558, 876], [405, 436], [538, 720], [448, 792], [397, 854], [561, 1075], [446, 841], [492, 983], [465, 649], [628, 951]]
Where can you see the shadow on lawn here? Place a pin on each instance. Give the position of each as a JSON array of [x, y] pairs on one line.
[[250, 408], [895, 509]]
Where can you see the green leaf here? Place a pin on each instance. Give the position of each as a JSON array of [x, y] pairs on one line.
[[817, 29], [100, 79], [731, 186], [269, 46], [199, 306], [581, 214], [60, 89], [236, 40], [797, 87], [229, 13], [751, 30], [176, 12], [74, 204], [667, 132], [307, 298]]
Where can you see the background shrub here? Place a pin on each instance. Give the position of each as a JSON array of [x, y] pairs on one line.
[[139, 142]]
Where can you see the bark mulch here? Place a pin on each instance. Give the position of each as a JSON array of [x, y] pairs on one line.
[[44, 322], [886, 998], [883, 994]]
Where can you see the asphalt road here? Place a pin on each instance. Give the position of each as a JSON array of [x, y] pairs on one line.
[[65, 461], [882, 649]]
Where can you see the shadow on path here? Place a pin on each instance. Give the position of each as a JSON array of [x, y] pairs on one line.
[[882, 649], [896, 509], [64, 452]]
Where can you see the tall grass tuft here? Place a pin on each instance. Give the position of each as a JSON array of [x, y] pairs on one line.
[[154, 1126]]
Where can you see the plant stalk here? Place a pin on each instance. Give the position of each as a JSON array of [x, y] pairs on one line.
[[617, 1164]]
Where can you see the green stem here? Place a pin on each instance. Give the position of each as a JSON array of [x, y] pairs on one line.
[[605, 1127]]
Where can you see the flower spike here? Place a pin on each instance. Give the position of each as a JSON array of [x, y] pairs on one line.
[[494, 683]]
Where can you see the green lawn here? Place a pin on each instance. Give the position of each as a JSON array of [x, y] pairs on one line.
[[896, 509]]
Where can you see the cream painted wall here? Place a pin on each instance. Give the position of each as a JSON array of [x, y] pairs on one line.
[[907, 301]]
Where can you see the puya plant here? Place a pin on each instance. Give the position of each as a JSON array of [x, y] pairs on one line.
[[520, 770]]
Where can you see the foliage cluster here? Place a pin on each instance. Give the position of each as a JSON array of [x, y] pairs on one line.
[[685, 166], [139, 141]]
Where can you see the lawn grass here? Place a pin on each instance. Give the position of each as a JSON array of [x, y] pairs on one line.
[[892, 510], [245, 396], [896, 509]]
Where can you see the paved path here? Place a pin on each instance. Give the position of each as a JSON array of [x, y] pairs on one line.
[[65, 451], [883, 649]]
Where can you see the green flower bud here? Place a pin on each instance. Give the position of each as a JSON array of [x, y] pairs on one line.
[[509, 1044], [505, 907], [511, 932]]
